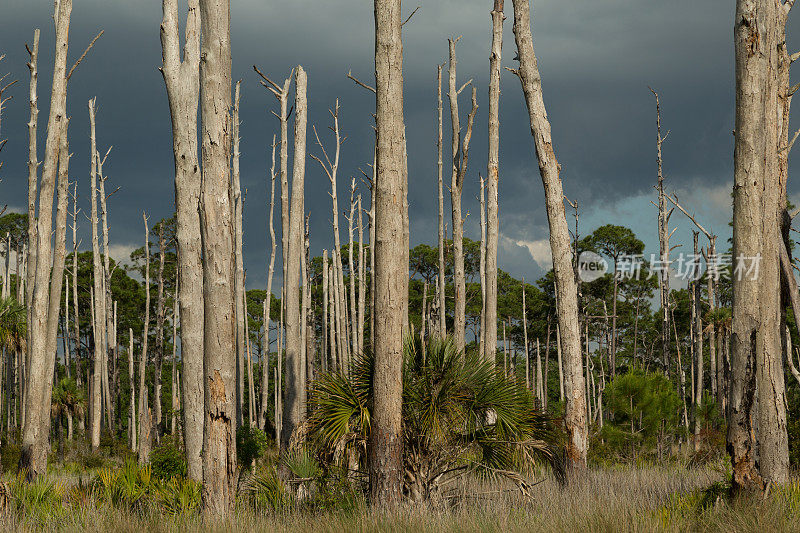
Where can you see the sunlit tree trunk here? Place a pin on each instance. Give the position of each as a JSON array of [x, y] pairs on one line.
[[391, 259], [219, 361], [182, 80], [144, 408], [295, 402], [567, 301], [235, 194], [492, 185], [262, 413]]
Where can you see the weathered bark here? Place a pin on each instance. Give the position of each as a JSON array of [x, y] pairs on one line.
[[235, 194], [262, 413], [460, 155], [295, 402], [440, 166], [362, 281], [525, 337], [567, 301], [77, 338], [99, 301], [110, 334], [492, 185], [351, 267], [33, 178], [698, 350], [175, 401], [132, 415], [161, 313], [331, 168], [482, 269], [219, 438], [182, 80], [756, 365], [390, 274], [144, 408], [325, 304]]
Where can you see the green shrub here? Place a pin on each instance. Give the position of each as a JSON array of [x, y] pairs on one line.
[[178, 496], [92, 461], [251, 444], [168, 461], [9, 455]]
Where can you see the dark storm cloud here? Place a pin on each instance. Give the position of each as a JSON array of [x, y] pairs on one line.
[[597, 59]]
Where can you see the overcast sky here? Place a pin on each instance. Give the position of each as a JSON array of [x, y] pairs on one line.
[[597, 59]]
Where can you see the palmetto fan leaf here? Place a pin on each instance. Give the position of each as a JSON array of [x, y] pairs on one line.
[[459, 413]]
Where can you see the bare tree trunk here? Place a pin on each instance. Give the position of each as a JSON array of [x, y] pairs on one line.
[[332, 299], [219, 436], [459, 168], [440, 165], [295, 405], [362, 281], [235, 194], [182, 80], [492, 211], [77, 339], [567, 302], [251, 387], [525, 336], [279, 381], [482, 268], [99, 300], [110, 339], [175, 402], [132, 416], [331, 168], [351, 266], [754, 38], [144, 407], [160, 318], [390, 274], [539, 376], [698, 351], [262, 413], [327, 333]]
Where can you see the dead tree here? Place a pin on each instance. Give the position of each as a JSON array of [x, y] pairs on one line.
[[295, 402], [440, 166], [331, 168], [362, 281], [567, 301], [161, 313], [482, 268], [460, 154], [262, 413], [132, 408], [391, 257], [492, 185], [219, 435], [235, 194], [144, 408], [182, 80], [756, 334], [99, 324], [351, 267], [664, 235]]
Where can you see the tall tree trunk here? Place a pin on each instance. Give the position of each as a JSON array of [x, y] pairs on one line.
[[482, 270], [144, 408], [99, 300], [110, 340], [567, 302], [492, 210], [235, 194], [754, 42], [77, 339], [698, 350], [182, 80], [525, 338], [132, 408], [161, 313], [295, 404], [440, 166], [362, 281], [219, 435], [390, 274], [175, 401], [351, 266], [262, 413], [460, 156]]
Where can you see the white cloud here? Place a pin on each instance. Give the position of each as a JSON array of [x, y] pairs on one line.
[[121, 252], [539, 250]]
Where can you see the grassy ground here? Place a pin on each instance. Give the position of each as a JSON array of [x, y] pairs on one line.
[[652, 498]]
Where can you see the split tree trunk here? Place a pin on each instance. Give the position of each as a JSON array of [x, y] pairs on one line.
[[295, 402], [182, 79]]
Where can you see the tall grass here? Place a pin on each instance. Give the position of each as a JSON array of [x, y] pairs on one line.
[[626, 498]]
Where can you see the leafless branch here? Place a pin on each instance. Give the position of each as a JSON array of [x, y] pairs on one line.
[[411, 15], [78, 62], [359, 82]]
